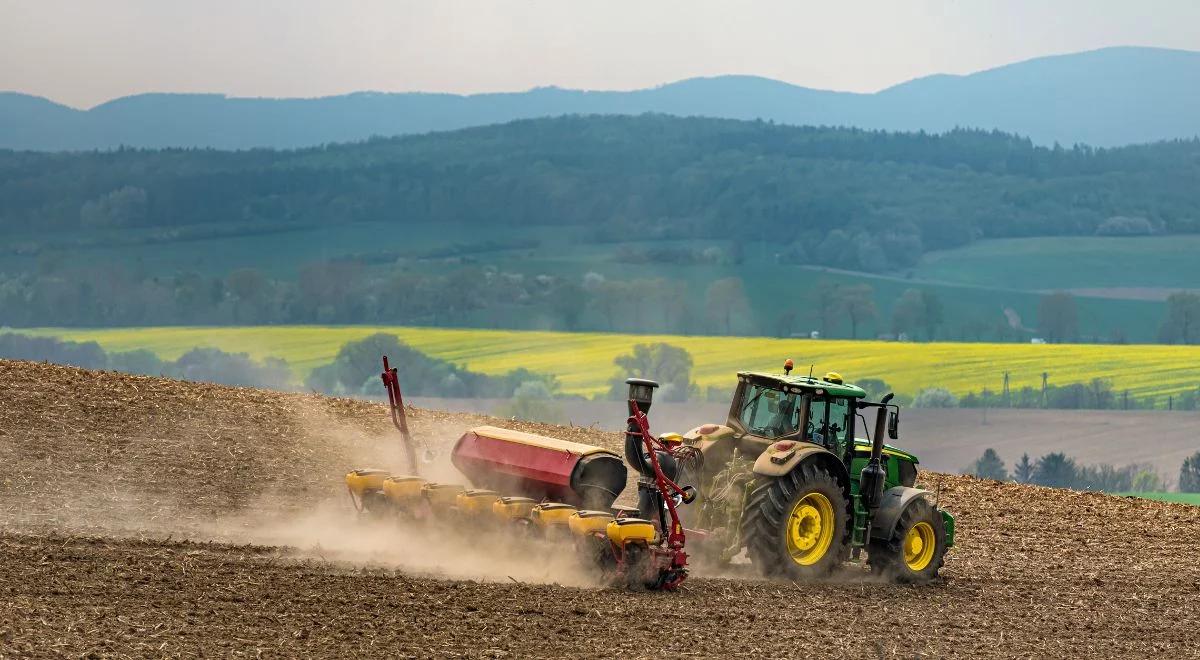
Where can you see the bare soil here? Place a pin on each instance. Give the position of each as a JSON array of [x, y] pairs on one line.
[[142, 517]]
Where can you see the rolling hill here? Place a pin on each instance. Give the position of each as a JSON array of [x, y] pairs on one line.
[[152, 237], [1131, 267], [1107, 97]]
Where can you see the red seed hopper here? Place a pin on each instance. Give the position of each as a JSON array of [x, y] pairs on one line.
[[540, 467]]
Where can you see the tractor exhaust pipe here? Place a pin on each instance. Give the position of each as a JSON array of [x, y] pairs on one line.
[[641, 396], [871, 480], [651, 505], [880, 427]]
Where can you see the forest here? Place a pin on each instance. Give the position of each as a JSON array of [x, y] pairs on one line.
[[870, 200]]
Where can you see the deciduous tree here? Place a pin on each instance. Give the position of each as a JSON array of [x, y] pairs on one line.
[[918, 309], [1189, 474], [726, 304], [670, 365], [1058, 317], [1182, 325], [826, 304], [858, 304]]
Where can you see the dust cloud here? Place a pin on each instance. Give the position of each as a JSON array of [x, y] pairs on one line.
[[291, 497], [332, 530], [467, 549]]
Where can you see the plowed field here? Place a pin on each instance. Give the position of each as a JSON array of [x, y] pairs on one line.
[[147, 517]]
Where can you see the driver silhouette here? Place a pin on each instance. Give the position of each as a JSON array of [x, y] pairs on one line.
[[784, 423]]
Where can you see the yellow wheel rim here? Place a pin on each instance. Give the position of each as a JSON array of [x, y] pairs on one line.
[[919, 544], [810, 529]]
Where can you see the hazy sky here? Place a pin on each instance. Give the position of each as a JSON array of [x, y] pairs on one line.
[[84, 52]]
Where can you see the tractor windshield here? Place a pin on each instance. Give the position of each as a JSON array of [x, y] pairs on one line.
[[769, 413]]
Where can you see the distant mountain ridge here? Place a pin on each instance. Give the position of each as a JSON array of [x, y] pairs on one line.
[[1107, 97]]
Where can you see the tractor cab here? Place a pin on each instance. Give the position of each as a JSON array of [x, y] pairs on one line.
[[767, 408]]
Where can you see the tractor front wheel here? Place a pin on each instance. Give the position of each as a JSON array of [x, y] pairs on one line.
[[795, 526], [916, 549]]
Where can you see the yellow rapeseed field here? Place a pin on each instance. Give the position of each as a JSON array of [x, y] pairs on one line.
[[583, 362]]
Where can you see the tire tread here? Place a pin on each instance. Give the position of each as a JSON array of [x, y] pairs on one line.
[[766, 511]]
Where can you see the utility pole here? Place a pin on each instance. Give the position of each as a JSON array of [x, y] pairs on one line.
[[1045, 380], [1007, 397]]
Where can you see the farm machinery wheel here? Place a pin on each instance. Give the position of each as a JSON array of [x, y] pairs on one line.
[[917, 547], [796, 526]]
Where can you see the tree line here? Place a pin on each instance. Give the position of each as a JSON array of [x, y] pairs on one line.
[[341, 291], [346, 292], [1095, 394], [354, 371], [850, 198], [1056, 469], [83, 294], [198, 364]]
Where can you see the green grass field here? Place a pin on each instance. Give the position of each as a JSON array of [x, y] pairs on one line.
[[774, 288], [1182, 498], [278, 254], [584, 361], [976, 283], [1069, 262]]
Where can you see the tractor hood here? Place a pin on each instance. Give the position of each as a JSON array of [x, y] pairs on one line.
[[861, 445]]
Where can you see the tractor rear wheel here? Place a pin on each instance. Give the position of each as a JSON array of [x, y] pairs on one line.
[[795, 526], [916, 549]]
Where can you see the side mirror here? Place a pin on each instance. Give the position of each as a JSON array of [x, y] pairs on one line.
[[894, 425]]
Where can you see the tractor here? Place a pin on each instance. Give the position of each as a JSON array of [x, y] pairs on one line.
[[785, 479]]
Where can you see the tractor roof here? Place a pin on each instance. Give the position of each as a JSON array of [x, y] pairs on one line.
[[804, 382]]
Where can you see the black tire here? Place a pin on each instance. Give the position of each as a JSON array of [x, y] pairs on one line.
[[766, 517], [596, 557], [376, 506], [637, 565], [887, 558]]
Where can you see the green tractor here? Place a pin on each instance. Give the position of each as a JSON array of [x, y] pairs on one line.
[[787, 478]]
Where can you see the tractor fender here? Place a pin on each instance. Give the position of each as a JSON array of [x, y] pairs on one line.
[[895, 501], [783, 457], [708, 433]]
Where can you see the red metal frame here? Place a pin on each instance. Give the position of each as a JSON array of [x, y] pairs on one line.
[[391, 382], [676, 539]]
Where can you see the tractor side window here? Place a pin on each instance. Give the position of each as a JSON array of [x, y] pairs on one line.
[[828, 422], [816, 420], [839, 420]]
